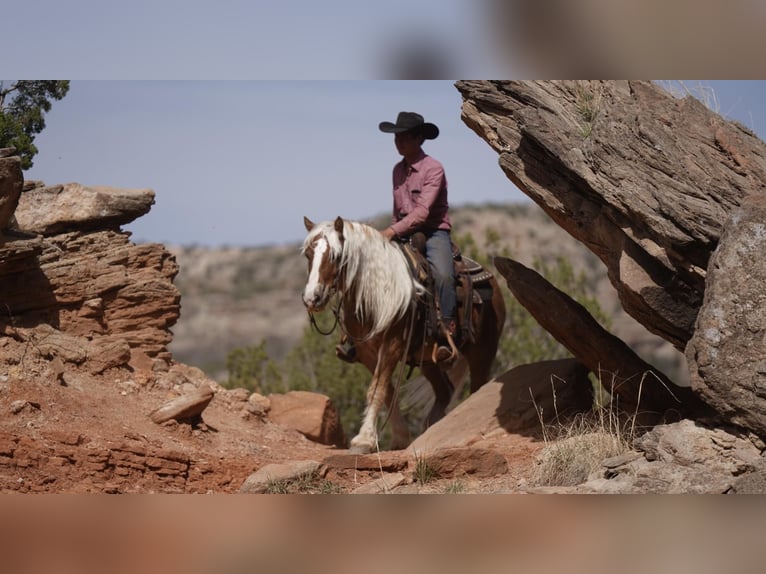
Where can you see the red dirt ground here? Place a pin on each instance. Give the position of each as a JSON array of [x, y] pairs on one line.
[[85, 433]]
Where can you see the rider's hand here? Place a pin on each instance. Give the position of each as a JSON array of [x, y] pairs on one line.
[[388, 233]]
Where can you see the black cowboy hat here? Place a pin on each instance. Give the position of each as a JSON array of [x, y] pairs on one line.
[[407, 121]]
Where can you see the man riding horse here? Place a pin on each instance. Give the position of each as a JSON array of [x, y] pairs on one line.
[[421, 206]]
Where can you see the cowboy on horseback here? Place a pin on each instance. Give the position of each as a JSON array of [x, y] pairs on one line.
[[420, 205]]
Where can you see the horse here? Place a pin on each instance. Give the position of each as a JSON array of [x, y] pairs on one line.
[[377, 310]]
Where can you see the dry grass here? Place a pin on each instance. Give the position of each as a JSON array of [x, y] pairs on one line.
[[309, 483], [424, 471], [575, 448], [456, 486], [702, 92], [588, 96]]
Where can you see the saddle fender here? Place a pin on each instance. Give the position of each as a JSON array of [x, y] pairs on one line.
[[472, 285]]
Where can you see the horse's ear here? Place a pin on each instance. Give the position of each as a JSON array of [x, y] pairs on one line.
[[308, 223], [339, 225]]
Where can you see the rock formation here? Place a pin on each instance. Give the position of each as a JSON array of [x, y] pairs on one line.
[[642, 179], [76, 285], [647, 182], [726, 353], [632, 381]]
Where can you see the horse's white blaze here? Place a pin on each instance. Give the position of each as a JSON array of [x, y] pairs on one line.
[[313, 285]]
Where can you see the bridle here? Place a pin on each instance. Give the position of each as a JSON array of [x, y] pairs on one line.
[[336, 311], [336, 322]]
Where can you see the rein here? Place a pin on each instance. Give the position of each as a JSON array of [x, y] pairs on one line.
[[316, 326]]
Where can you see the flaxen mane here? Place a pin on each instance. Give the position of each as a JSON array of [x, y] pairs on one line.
[[373, 269]]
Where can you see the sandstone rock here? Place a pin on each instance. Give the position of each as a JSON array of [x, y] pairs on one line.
[[90, 285], [258, 405], [727, 353], [260, 481], [749, 483], [18, 406], [680, 458], [72, 206], [384, 461], [106, 353], [19, 255], [462, 461], [142, 366], [186, 408], [311, 414], [686, 443], [621, 371], [642, 179], [101, 353], [383, 485], [515, 401]]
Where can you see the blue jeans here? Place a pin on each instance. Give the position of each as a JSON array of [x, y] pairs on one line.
[[439, 255]]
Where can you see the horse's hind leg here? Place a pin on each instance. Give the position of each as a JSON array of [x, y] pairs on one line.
[[457, 376], [443, 391], [400, 432]]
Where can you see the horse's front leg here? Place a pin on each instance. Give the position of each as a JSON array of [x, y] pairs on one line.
[[379, 391], [366, 440]]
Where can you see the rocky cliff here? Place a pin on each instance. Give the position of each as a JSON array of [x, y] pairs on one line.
[[74, 282], [650, 184]]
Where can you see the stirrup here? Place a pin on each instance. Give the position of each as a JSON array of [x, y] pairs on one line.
[[445, 354]]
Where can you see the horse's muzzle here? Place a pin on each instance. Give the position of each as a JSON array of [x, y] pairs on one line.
[[316, 300]]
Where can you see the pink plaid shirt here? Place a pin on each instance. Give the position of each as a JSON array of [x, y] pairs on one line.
[[420, 197]]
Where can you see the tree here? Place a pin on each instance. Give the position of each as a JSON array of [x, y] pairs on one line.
[[22, 113], [251, 368]]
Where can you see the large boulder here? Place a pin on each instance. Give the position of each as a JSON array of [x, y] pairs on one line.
[[91, 284], [681, 458], [642, 179], [518, 401], [727, 353], [312, 414], [73, 206]]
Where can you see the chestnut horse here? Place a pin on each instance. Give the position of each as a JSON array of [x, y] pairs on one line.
[[377, 311]]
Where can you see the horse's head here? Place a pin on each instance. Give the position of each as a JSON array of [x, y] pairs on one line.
[[323, 248]]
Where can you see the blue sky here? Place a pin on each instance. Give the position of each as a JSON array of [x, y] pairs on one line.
[[241, 162]]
